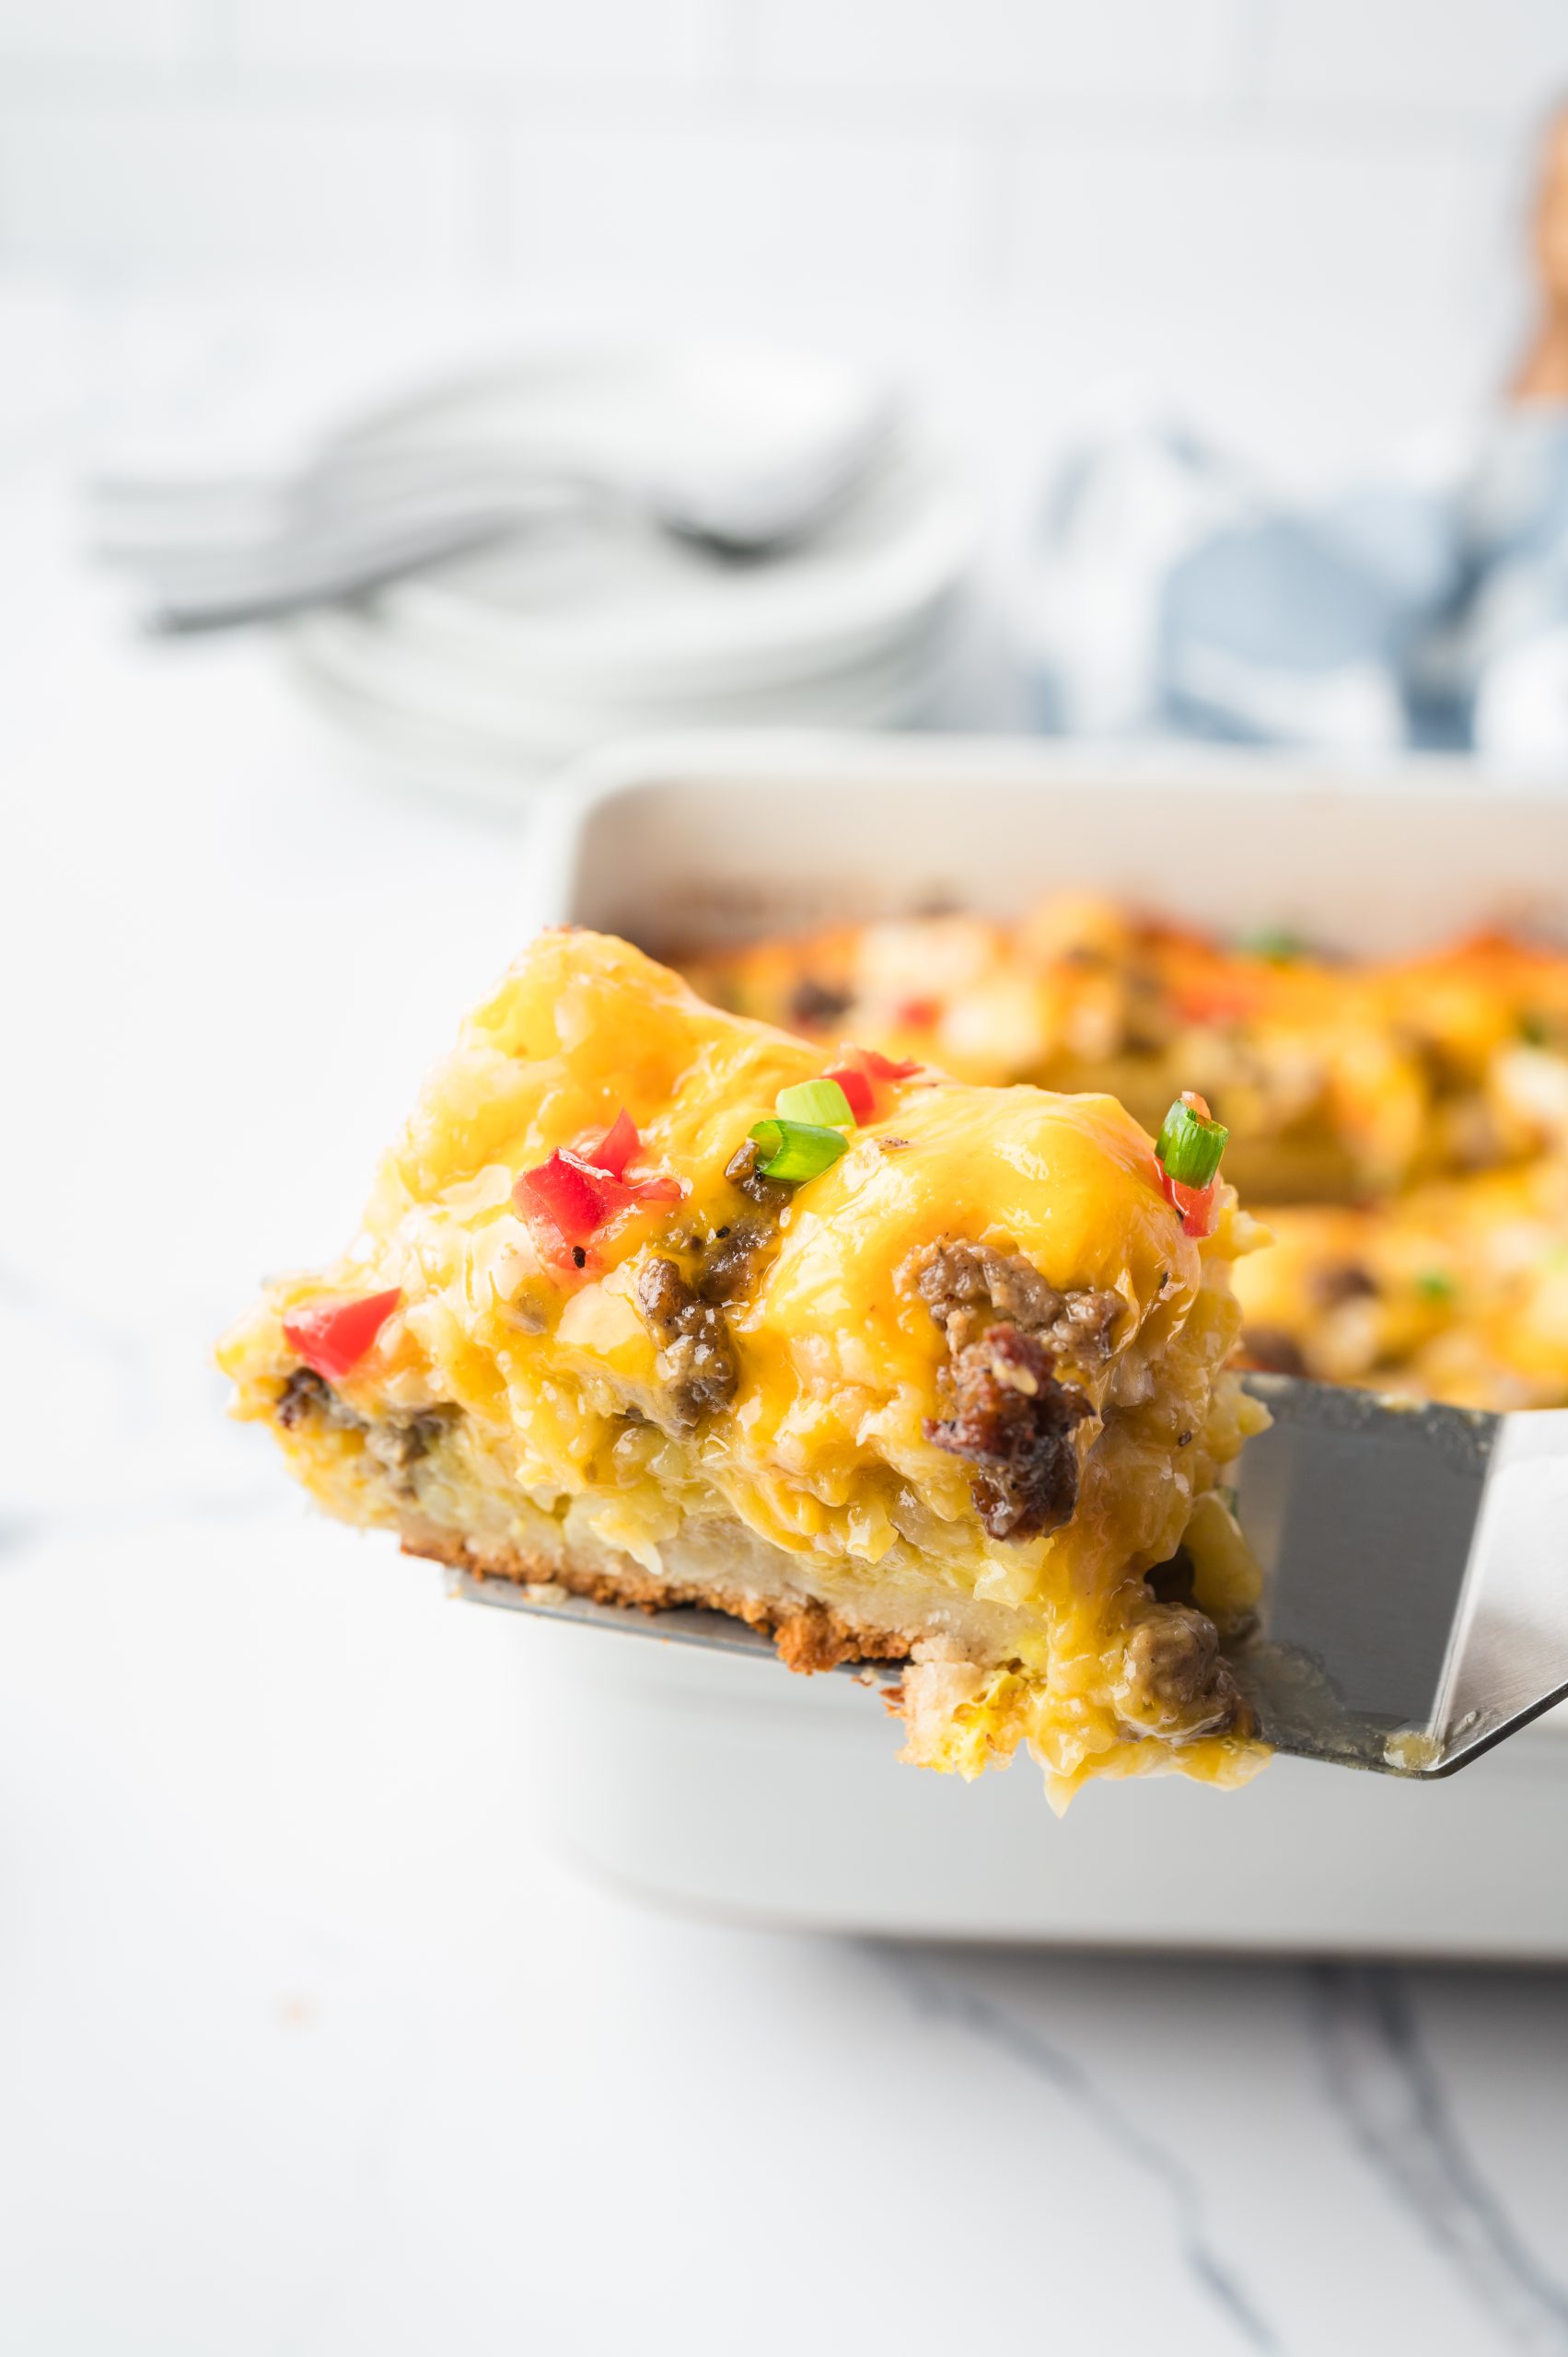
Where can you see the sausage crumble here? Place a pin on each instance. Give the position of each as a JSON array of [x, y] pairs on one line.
[[685, 1315], [1272, 1350], [1015, 1423], [305, 1394], [1340, 1282], [770, 1194], [960, 1282], [696, 1357], [814, 1003], [396, 1443], [1175, 1680], [726, 1261]]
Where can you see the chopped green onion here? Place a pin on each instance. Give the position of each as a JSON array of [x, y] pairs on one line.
[[1534, 1030], [795, 1150], [1189, 1145], [1436, 1284], [1276, 942], [821, 1103]]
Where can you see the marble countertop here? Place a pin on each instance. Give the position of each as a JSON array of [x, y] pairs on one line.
[[307, 2043]]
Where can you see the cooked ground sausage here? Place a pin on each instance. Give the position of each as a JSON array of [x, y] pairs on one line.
[[696, 1357], [1272, 1350], [396, 1442], [303, 1394], [685, 1315], [960, 1282], [307, 1394], [815, 1004], [1081, 1330], [1175, 1680], [727, 1261], [1343, 1281], [401, 1446], [741, 1171], [1015, 1423]]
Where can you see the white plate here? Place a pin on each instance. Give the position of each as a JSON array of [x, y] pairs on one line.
[[611, 606], [600, 598], [467, 718], [728, 1784]]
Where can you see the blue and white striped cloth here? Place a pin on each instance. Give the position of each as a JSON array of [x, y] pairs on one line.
[[1168, 590]]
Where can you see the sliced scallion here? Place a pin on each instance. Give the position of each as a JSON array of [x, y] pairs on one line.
[[795, 1150], [1189, 1144], [820, 1103], [1276, 942]]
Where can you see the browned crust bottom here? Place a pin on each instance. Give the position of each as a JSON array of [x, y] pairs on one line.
[[810, 1637]]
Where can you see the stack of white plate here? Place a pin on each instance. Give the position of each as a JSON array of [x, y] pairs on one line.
[[591, 621]]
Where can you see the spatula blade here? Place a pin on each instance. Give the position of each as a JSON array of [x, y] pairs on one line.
[[1363, 1513]]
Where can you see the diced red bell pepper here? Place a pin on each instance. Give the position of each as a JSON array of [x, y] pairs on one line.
[[1196, 1205], [918, 1013], [857, 1089], [335, 1335], [575, 1199], [1215, 1000], [882, 1067], [859, 1071], [661, 1189], [875, 1065], [567, 1201], [615, 1149]]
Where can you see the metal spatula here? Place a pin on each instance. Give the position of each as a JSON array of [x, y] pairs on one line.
[[1415, 1606]]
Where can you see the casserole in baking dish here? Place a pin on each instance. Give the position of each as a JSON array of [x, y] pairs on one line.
[[1410, 1115], [717, 1783]]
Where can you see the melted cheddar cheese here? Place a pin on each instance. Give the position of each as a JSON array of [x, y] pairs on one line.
[[1405, 1120], [1336, 1077], [1457, 1290], [514, 1414]]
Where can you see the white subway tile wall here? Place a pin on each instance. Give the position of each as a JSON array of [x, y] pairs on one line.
[[149, 181], [1004, 49], [1257, 223], [1295, 172], [533, 42], [719, 204], [102, 31], [1450, 57]]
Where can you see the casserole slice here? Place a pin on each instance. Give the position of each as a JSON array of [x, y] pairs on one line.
[[660, 1304]]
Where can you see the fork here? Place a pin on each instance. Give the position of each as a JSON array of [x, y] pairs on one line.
[[244, 549]]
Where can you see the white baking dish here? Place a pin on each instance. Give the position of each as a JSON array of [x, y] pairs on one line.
[[726, 1784]]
